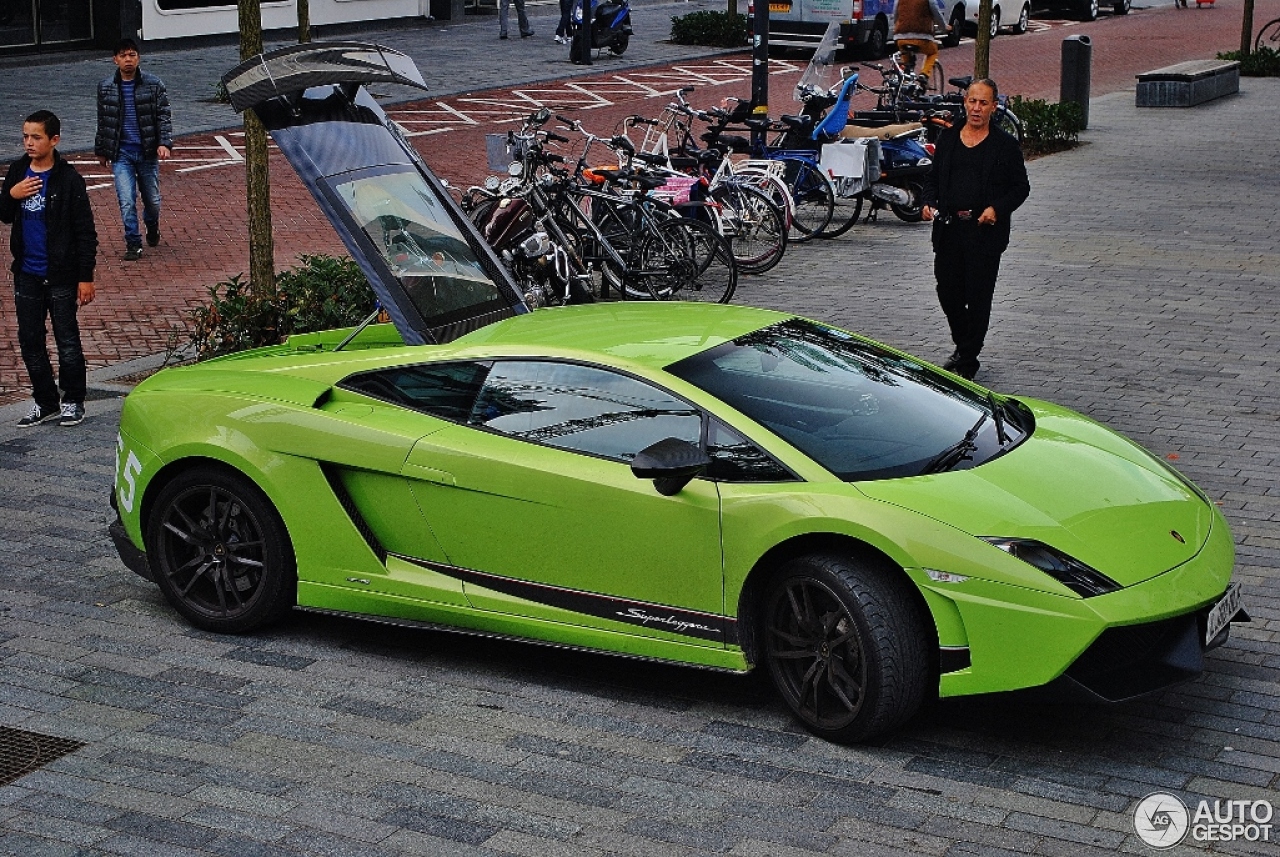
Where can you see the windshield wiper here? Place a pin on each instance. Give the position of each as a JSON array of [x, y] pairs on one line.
[[1002, 437], [957, 452]]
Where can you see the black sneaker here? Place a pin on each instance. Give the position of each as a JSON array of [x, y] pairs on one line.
[[37, 416], [133, 254], [72, 414], [153, 236]]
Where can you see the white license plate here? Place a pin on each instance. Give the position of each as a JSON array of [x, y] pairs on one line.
[[1226, 608]]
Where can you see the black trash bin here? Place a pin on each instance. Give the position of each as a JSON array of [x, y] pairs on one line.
[[1077, 55]]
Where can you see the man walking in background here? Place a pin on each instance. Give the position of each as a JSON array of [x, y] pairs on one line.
[[978, 180], [55, 246], [135, 133]]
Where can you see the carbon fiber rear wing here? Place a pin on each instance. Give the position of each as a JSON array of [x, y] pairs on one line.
[[295, 68]]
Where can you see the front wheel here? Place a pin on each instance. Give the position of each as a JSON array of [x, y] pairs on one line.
[[1023, 23], [755, 227], [1088, 10], [1122, 7], [995, 23], [847, 646], [220, 552]]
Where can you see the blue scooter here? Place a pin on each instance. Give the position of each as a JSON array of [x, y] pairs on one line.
[[610, 27]]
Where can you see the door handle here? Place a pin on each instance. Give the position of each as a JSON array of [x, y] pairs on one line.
[[429, 474]]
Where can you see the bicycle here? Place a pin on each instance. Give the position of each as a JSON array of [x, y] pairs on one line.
[[1268, 36]]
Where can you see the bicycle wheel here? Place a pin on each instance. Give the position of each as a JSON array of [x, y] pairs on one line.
[[937, 83], [775, 188], [813, 196], [1006, 120], [684, 260], [847, 211], [756, 229], [1269, 36]]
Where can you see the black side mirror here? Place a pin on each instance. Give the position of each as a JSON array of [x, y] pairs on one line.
[[671, 463]]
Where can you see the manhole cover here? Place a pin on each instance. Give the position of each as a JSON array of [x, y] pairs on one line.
[[22, 752]]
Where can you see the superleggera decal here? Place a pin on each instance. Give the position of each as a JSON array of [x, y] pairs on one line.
[[688, 623]]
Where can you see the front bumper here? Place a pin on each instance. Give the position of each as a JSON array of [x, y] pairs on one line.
[[134, 559], [1110, 647]]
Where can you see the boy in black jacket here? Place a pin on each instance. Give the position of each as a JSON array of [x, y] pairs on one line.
[[55, 247]]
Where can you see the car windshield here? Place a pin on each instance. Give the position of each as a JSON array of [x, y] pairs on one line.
[[860, 410], [419, 242]]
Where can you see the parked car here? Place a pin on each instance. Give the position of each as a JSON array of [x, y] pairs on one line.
[[710, 485], [962, 15]]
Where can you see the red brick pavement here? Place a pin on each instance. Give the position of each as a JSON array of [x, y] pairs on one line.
[[204, 228]]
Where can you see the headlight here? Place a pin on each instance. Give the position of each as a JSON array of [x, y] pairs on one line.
[[1070, 572]]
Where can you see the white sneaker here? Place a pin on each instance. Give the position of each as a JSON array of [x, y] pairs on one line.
[[561, 40]]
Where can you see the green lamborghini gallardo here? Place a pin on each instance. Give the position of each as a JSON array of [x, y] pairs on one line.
[[711, 485]]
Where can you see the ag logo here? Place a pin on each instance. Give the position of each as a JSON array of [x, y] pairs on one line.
[[1161, 820]]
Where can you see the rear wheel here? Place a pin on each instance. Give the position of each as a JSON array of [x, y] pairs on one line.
[[911, 212], [1122, 7], [951, 39], [1088, 10], [995, 23], [878, 39], [755, 227], [683, 260], [847, 646], [1268, 36], [619, 45], [813, 199], [846, 214], [220, 552]]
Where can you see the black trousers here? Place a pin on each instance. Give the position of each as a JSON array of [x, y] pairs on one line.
[[966, 266], [36, 299]]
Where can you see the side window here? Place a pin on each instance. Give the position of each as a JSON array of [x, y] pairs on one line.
[[736, 459], [581, 408], [445, 390]]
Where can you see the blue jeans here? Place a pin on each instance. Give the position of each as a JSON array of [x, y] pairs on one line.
[[135, 173], [36, 298]]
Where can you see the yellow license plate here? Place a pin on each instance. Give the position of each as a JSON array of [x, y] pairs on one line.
[[779, 7]]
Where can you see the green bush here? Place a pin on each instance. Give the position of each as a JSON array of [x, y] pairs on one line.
[[322, 293], [1264, 62], [718, 29], [1047, 127]]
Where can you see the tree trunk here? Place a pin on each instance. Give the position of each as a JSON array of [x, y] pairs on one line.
[[1246, 29], [304, 22], [262, 276], [733, 9], [982, 45]]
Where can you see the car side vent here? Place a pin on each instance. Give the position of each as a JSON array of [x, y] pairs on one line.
[[332, 476]]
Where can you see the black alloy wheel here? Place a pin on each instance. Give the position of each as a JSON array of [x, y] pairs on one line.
[[220, 553], [847, 647]]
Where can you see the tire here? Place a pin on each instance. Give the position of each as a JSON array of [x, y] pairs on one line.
[[618, 46], [911, 213], [1268, 36], [1088, 10], [813, 199], [847, 647], [683, 260], [757, 227], [951, 39], [1122, 8], [220, 552], [845, 216], [877, 44], [1006, 120], [995, 23], [1023, 23]]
